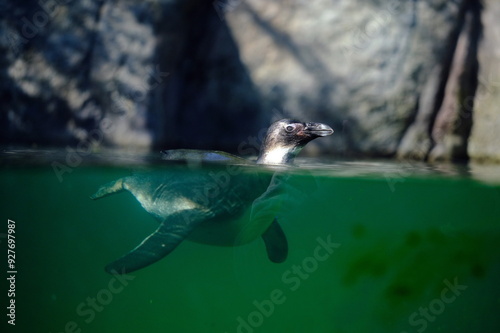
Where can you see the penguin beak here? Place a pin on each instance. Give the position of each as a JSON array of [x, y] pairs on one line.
[[318, 129]]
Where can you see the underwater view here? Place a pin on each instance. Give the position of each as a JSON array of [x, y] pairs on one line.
[[389, 221], [373, 246]]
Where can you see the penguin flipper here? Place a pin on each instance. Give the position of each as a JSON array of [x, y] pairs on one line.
[[108, 189], [276, 243], [156, 246]]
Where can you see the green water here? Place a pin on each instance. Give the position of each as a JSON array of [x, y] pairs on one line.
[[412, 249]]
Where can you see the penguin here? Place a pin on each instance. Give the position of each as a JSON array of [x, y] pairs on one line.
[[237, 209]]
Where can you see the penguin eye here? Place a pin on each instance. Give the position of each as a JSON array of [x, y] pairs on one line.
[[289, 128]]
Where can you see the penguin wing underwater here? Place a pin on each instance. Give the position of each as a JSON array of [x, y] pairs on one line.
[[274, 237], [186, 209], [180, 202]]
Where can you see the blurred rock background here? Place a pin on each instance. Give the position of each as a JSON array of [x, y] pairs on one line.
[[397, 78]]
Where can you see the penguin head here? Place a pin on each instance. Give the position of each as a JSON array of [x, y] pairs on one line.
[[286, 138]]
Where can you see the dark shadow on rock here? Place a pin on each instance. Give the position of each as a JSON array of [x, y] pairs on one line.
[[452, 123], [469, 80], [443, 109], [209, 99], [306, 57]]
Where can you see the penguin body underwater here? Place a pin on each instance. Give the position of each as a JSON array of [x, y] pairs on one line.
[[240, 211]]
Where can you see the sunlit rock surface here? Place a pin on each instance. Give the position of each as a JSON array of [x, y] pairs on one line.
[[410, 78], [485, 141]]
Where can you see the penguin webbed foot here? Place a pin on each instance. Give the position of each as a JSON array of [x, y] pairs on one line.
[[276, 243]]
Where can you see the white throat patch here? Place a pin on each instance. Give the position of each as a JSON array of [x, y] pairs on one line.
[[278, 155]]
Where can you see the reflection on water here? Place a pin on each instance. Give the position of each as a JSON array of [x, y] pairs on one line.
[[321, 166], [413, 248]]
